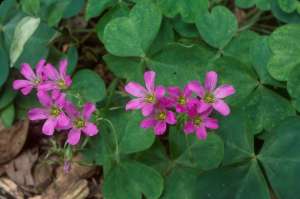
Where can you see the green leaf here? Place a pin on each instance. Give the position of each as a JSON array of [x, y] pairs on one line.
[[4, 63], [133, 35], [130, 69], [293, 86], [72, 56], [56, 12], [260, 55], [185, 29], [30, 6], [238, 140], [7, 94], [283, 44], [74, 8], [88, 85], [288, 5], [261, 4], [266, 109], [188, 9], [131, 180], [118, 11], [23, 31], [218, 27], [96, 7], [280, 158], [7, 116], [7, 10], [293, 17], [24, 103], [240, 182]]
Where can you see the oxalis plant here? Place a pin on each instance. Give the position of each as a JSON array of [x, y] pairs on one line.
[[195, 98]]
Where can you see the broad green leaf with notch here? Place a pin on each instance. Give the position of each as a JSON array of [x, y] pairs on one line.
[[293, 17], [185, 29], [4, 63], [239, 182], [293, 86], [96, 7], [131, 137], [261, 4], [88, 85], [119, 11], [283, 43], [260, 55], [130, 69], [265, 109], [133, 35], [280, 158], [217, 27], [23, 31], [131, 180], [187, 9], [194, 153], [237, 136], [7, 116]]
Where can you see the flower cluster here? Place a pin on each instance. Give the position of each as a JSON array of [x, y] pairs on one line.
[[57, 111], [195, 103]]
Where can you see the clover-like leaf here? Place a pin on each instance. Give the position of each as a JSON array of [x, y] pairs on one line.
[[4, 63], [261, 4], [217, 27], [280, 158], [288, 5], [133, 35], [293, 86], [283, 44], [132, 179], [95, 7], [188, 9]]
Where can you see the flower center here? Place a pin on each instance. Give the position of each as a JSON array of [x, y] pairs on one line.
[[79, 123], [161, 116], [182, 100], [61, 84], [198, 121], [36, 81], [150, 98], [55, 111], [209, 98]]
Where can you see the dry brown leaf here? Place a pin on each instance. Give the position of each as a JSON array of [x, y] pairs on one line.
[[12, 140], [10, 189]]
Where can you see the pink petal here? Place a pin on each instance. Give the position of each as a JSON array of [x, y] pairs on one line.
[[196, 87], [44, 98], [51, 72], [224, 91], [180, 108], [211, 123], [203, 107], [74, 136], [187, 92], [63, 121], [135, 89], [147, 109], [37, 114], [49, 126], [63, 64], [221, 107], [90, 129], [71, 109], [17, 84], [61, 100], [48, 86], [160, 128], [159, 92], [201, 133], [174, 91], [40, 68], [135, 104], [171, 118], [149, 78], [88, 110], [189, 127], [148, 122], [26, 90], [211, 80], [68, 80], [27, 72]]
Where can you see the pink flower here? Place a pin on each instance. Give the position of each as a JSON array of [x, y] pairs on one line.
[[146, 97], [212, 96], [198, 122], [159, 120], [52, 112], [58, 80], [80, 122], [181, 100], [32, 80]]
